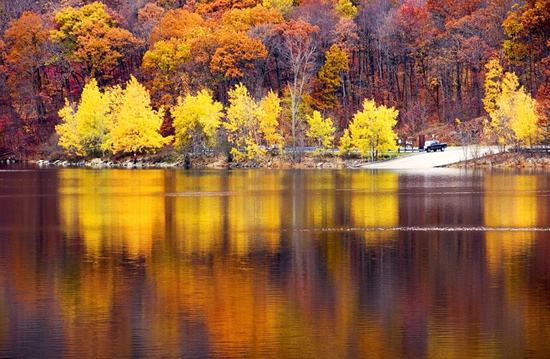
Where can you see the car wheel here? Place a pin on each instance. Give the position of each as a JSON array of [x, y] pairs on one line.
[[442, 149]]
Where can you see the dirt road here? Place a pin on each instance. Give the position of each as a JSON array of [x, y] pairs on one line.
[[432, 159]]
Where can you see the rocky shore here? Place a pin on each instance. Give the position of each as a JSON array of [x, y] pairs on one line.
[[509, 160], [209, 162]]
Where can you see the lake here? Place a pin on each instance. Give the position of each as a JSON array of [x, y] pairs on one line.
[[120, 263]]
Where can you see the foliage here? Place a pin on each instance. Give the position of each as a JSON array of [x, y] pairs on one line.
[[346, 8], [236, 53], [515, 118], [196, 121], [243, 124], [269, 113], [67, 131], [83, 132], [493, 89], [90, 36], [135, 126], [251, 125], [320, 130], [346, 145], [284, 6], [372, 129], [424, 58], [27, 50], [298, 47], [167, 62], [330, 78]]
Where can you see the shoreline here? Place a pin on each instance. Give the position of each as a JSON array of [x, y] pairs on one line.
[[511, 160]]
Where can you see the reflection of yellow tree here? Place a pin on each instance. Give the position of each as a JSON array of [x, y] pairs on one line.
[[510, 202], [374, 202], [95, 203]]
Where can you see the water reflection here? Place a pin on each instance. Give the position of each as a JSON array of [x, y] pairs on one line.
[[162, 263]]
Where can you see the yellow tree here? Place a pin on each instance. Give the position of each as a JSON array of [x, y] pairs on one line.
[[372, 129], [320, 130], [515, 118], [346, 145], [135, 127], [67, 131], [269, 112], [330, 78], [493, 79], [196, 121], [346, 8], [83, 132], [243, 128], [252, 124]]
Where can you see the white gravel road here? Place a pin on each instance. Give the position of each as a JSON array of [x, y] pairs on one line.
[[421, 160]]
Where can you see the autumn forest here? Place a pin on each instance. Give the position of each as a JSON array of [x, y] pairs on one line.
[[91, 79]]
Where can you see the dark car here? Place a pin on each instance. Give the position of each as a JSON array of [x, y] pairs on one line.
[[434, 146]]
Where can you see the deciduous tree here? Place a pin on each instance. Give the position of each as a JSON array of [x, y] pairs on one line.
[[330, 78], [321, 130], [135, 127], [27, 45], [196, 121], [298, 46], [269, 114], [372, 129], [84, 130], [242, 124], [515, 119], [91, 37], [346, 144], [493, 88]]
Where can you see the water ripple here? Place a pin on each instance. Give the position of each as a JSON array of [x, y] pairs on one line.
[[425, 229]]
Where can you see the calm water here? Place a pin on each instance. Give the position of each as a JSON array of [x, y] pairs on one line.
[[274, 264]]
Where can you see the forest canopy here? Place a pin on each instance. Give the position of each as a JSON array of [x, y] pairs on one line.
[[265, 72]]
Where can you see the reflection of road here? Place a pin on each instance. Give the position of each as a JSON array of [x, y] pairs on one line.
[[432, 159]]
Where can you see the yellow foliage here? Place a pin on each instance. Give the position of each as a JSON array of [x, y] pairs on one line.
[[68, 137], [515, 117], [268, 113], [251, 124], [83, 131], [242, 124], [197, 118], [346, 145], [320, 130], [372, 129], [492, 85], [136, 125], [346, 8]]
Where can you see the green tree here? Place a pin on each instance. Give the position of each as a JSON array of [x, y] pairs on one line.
[[135, 127], [372, 129], [196, 121], [320, 130]]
